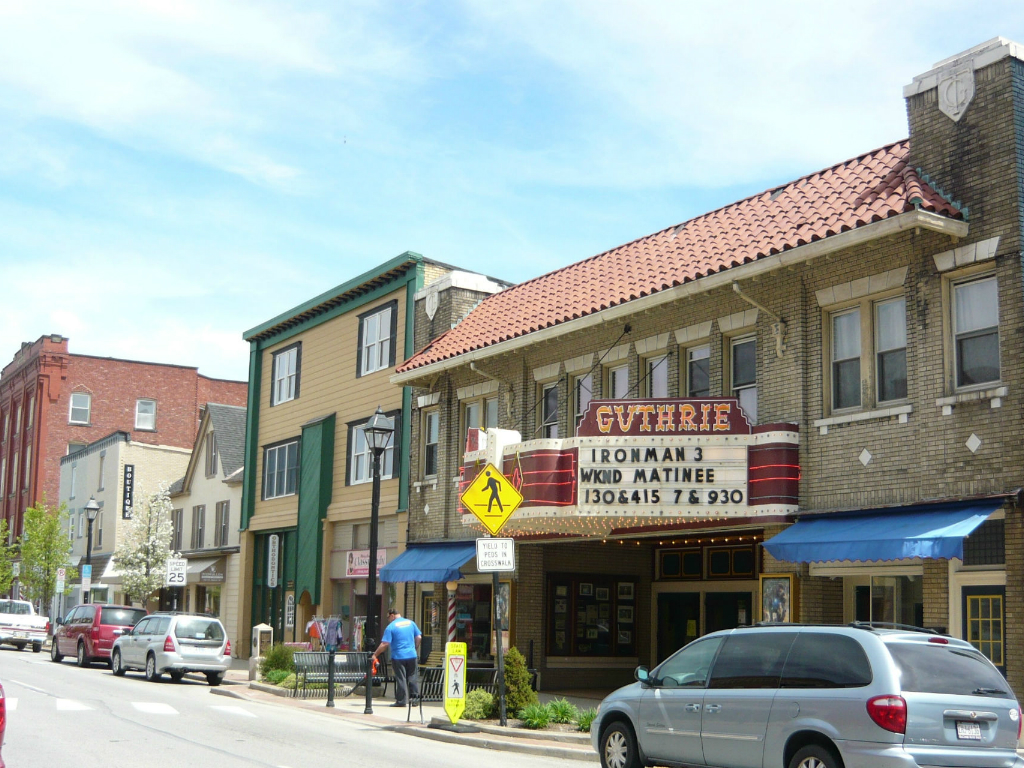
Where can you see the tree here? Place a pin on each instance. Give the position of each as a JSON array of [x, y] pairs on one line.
[[45, 547], [142, 555], [8, 552]]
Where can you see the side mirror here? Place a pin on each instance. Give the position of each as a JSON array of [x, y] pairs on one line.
[[58, 621], [642, 674]]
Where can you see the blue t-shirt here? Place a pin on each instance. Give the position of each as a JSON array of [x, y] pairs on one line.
[[401, 636]]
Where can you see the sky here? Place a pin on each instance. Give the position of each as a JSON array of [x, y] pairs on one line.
[[174, 173]]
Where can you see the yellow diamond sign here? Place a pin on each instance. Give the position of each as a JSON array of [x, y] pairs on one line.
[[492, 498]]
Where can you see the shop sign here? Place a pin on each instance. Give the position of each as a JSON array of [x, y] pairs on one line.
[[357, 563], [213, 573], [495, 555], [128, 494], [273, 559]]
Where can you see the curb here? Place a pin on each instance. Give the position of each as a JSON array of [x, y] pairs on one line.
[[562, 737], [566, 753]]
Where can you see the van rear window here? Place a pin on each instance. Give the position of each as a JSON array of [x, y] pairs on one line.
[[121, 617], [935, 668], [198, 628]]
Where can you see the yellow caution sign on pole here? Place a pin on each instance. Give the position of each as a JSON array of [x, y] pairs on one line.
[[454, 680], [492, 498]]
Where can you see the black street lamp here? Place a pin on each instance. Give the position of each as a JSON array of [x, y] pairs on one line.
[[378, 431], [92, 509]]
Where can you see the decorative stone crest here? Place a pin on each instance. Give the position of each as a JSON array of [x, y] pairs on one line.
[[431, 302], [956, 89]]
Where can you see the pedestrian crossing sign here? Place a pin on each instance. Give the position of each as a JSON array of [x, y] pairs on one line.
[[454, 680], [492, 498]]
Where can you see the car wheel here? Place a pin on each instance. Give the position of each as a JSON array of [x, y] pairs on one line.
[[815, 756], [55, 655], [115, 664], [618, 747], [83, 660], [176, 675], [37, 647], [151, 672], [214, 678]]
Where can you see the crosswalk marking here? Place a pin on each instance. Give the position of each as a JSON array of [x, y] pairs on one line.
[[233, 710], [154, 708], [71, 705]]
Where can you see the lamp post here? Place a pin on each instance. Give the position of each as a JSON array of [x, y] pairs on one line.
[[378, 431], [92, 509]]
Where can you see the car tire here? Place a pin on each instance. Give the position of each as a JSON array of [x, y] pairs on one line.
[[618, 747], [55, 655], [176, 676], [815, 756], [83, 658], [116, 666], [152, 675], [37, 647], [214, 678]]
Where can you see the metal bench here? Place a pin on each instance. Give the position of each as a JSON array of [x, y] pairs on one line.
[[312, 667]]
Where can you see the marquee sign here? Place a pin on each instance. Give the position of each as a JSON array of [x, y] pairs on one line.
[[653, 462]]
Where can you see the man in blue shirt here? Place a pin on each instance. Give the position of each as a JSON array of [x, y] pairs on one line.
[[403, 637]]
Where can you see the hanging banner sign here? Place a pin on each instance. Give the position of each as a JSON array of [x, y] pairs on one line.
[[128, 496], [454, 680], [273, 559]]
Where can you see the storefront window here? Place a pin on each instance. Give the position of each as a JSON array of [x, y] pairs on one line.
[[208, 600], [592, 616], [473, 620], [892, 599]]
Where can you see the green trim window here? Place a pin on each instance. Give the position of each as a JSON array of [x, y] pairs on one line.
[[432, 435], [280, 469], [287, 365], [378, 332]]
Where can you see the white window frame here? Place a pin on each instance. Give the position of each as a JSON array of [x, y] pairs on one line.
[[14, 471], [656, 366], [97, 531], [285, 387], [580, 402], [737, 388], [376, 340], [431, 441], [280, 451], [877, 352], [72, 408], [81, 523], [690, 357], [550, 427], [31, 411], [837, 362], [143, 419], [954, 288], [71, 526], [612, 377], [360, 457], [17, 419], [102, 461], [484, 407], [28, 466]]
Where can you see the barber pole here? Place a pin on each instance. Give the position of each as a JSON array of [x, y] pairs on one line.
[[451, 617]]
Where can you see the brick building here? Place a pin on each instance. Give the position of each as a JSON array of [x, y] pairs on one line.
[[53, 402], [802, 406]]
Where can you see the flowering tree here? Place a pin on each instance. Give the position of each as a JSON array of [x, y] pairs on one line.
[[142, 555], [44, 548]]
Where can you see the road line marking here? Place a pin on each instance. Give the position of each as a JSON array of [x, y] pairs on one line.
[[233, 710], [71, 705], [154, 708], [26, 685]]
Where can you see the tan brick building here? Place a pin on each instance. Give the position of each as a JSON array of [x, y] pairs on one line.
[[858, 333]]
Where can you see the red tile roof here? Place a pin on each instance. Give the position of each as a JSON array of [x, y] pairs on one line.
[[865, 189]]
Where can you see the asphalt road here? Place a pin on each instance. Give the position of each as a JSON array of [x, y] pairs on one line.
[[60, 715]]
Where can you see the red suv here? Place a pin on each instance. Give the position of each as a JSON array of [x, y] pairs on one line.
[[89, 631]]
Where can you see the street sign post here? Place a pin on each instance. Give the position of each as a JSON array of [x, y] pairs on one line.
[[492, 498], [86, 580], [454, 680], [176, 570]]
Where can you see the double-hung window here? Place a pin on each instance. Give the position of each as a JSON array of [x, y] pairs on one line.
[[846, 350], [698, 371], [281, 470], [80, 407], [583, 392], [656, 372], [98, 531], [71, 526], [31, 411], [361, 457], [287, 364], [431, 439], [743, 368], [976, 331], [220, 531], [3, 476], [211, 454], [549, 410], [145, 414], [891, 349], [479, 414], [377, 331], [198, 526], [618, 382], [177, 522], [17, 419]]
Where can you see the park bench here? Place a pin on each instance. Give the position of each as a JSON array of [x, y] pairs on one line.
[[311, 673], [486, 678]]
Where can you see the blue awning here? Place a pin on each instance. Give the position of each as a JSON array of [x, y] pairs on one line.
[[430, 562], [893, 533]]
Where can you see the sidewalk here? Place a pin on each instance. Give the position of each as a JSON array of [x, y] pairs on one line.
[[565, 745]]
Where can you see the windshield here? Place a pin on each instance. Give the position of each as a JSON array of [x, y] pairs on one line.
[[16, 607], [198, 628], [948, 669], [121, 617]]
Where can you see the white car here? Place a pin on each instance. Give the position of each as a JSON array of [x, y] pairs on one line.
[[174, 643]]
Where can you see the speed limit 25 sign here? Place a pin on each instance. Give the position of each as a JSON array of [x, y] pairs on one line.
[[176, 573]]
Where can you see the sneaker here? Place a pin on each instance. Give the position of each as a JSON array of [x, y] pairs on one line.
[[398, 704]]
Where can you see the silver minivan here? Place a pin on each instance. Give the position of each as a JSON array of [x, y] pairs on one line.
[[174, 643], [805, 696]]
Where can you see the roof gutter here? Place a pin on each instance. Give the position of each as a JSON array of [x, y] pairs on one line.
[[917, 219]]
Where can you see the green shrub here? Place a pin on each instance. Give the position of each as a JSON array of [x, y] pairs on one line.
[[279, 656], [288, 681], [518, 692], [479, 705], [585, 718], [275, 676], [562, 711], [535, 716]]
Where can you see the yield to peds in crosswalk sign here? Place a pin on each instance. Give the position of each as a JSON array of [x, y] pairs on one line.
[[454, 680]]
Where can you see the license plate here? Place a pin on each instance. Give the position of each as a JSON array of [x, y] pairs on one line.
[[968, 731], [20, 634]]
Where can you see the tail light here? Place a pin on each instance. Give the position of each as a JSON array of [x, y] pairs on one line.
[[889, 712], [227, 652], [169, 644], [3, 710], [1018, 717], [48, 628]]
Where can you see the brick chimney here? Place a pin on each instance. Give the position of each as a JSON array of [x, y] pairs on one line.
[[966, 118]]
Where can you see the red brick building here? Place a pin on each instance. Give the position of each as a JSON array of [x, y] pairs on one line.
[[52, 401]]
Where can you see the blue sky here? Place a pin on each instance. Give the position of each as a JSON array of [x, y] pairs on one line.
[[173, 173]]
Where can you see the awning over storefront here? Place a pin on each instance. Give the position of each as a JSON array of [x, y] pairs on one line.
[[430, 562], [893, 533]]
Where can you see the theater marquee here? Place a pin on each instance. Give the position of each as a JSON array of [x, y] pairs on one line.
[[655, 462]]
